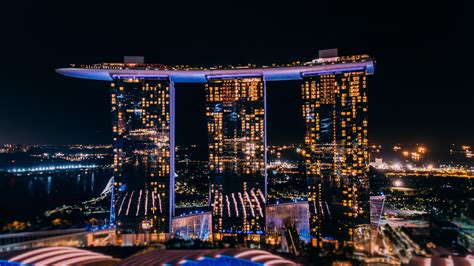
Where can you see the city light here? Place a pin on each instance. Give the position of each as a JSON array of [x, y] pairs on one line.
[[241, 207], [396, 166], [398, 183], [50, 168], [231, 150]]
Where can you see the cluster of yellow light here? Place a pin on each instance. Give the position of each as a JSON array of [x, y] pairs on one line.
[[344, 156], [353, 93], [240, 151], [397, 147], [142, 119], [416, 154], [467, 150], [421, 149], [375, 148], [251, 145], [431, 171]]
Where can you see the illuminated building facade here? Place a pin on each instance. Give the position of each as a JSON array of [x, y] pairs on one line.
[[193, 226], [285, 215], [336, 154], [143, 155], [336, 149], [235, 110]]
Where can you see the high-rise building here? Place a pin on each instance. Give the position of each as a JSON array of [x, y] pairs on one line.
[[235, 109], [143, 156], [336, 153], [334, 94]]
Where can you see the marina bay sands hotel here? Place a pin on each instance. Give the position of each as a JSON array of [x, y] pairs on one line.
[[334, 107]]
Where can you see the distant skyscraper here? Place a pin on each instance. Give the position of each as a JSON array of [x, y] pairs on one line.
[[143, 152], [336, 153], [235, 112]]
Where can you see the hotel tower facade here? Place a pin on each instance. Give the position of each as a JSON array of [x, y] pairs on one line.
[[336, 154], [235, 112], [143, 158], [334, 95]]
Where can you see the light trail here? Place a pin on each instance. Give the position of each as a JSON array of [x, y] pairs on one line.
[[153, 200], [159, 202], [261, 196], [235, 204], [146, 202], [243, 206], [322, 210], [138, 204], [121, 204], [258, 202], [327, 207], [129, 202], [228, 205], [250, 203]]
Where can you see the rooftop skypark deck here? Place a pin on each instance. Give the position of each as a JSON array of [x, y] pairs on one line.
[[185, 73]]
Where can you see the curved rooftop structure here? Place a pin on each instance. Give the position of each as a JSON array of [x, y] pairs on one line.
[[442, 261], [294, 71], [55, 256], [209, 257]]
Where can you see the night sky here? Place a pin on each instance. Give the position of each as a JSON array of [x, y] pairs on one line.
[[422, 90]]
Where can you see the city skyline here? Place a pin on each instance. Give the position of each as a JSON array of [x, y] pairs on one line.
[[405, 97], [334, 94], [236, 132]]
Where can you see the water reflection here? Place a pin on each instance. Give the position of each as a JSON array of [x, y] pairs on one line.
[[78, 180], [92, 181], [85, 182], [30, 187], [48, 185], [34, 193]]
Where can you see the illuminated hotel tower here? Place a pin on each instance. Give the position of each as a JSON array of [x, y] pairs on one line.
[[336, 154], [143, 157], [235, 109], [335, 110]]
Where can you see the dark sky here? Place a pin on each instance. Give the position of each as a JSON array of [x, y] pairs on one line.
[[422, 89]]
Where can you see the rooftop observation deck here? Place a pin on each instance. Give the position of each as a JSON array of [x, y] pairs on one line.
[[183, 73]]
